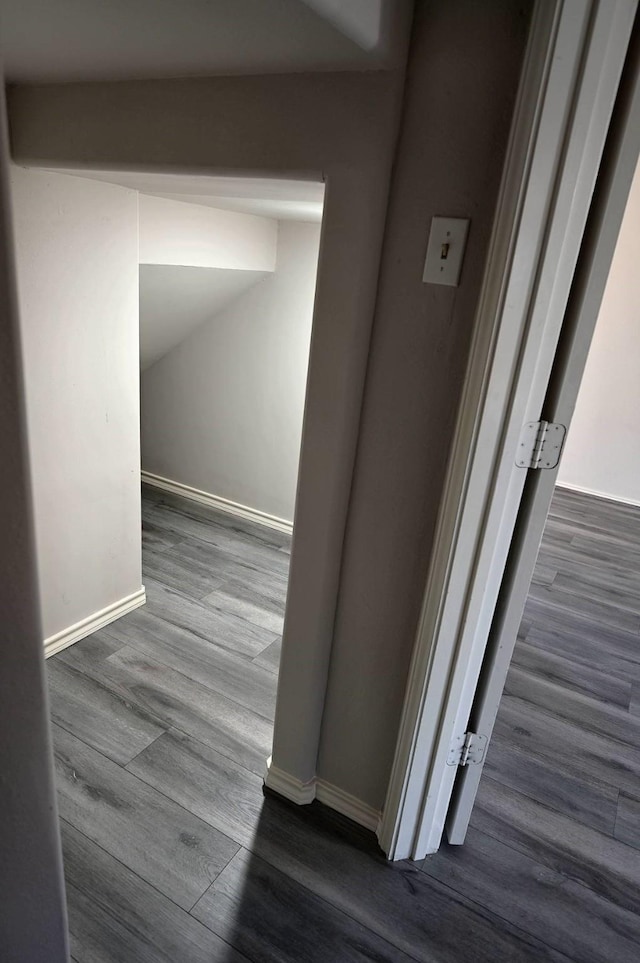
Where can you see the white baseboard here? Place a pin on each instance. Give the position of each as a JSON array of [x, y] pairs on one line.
[[285, 785], [592, 491], [220, 504], [347, 805], [303, 793], [61, 640]]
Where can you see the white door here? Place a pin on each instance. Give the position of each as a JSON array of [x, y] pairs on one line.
[[570, 83]]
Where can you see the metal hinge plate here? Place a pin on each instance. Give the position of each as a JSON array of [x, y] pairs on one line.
[[467, 749], [540, 444]]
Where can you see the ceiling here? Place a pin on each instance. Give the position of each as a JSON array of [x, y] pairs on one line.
[[283, 200], [74, 40]]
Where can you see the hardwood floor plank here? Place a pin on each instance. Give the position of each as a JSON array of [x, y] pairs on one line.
[[627, 827], [610, 652], [563, 595], [95, 648], [343, 866], [100, 717], [173, 572], [210, 785], [227, 631], [116, 917], [151, 495], [585, 755], [591, 568], [591, 715], [605, 545], [249, 549], [207, 557], [546, 614], [588, 679], [544, 574], [233, 598], [605, 587], [178, 702], [272, 918], [587, 801], [575, 920], [596, 514], [155, 538], [600, 863], [215, 668], [557, 534], [170, 848], [239, 527]]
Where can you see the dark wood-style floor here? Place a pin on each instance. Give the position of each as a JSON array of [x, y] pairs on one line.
[[162, 723]]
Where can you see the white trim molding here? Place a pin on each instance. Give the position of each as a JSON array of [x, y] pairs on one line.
[[329, 795], [635, 502], [347, 805], [288, 786], [216, 501], [62, 640]]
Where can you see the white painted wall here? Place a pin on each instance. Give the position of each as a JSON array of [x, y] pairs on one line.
[[602, 451], [222, 412], [76, 244], [173, 232]]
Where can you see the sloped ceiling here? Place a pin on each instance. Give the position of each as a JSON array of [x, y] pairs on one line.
[[175, 300], [73, 40], [278, 198]]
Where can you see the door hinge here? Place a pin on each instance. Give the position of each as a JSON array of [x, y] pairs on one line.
[[467, 749], [540, 444]]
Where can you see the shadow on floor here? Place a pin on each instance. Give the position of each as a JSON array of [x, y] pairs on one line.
[[315, 888]]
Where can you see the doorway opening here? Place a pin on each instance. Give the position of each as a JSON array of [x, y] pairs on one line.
[[225, 269]]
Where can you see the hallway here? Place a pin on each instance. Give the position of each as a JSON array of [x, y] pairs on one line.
[[162, 723]]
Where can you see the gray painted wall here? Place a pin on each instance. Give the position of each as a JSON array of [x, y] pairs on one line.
[[32, 910], [77, 256], [222, 412]]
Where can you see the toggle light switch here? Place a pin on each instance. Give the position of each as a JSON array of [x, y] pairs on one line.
[[445, 250]]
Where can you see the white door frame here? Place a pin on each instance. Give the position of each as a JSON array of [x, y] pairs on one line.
[[570, 80], [599, 244]]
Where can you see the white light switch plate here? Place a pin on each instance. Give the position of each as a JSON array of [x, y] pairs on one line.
[[445, 250]]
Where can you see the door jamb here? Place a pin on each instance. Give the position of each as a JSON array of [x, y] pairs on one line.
[[570, 78], [596, 256]]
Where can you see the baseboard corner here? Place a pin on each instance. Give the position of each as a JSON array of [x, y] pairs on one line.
[[218, 503], [282, 783], [303, 793]]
